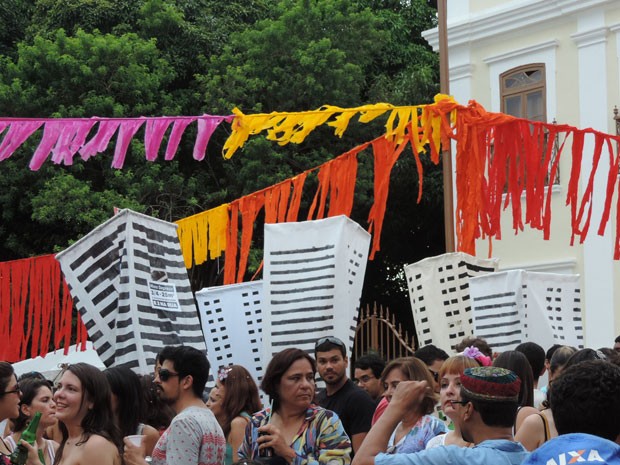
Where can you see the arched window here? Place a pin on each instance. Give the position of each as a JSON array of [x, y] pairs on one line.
[[524, 92]]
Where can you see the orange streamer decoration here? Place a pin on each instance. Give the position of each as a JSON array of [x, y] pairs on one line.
[[386, 152], [499, 155]]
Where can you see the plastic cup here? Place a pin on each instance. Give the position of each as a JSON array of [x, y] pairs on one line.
[[136, 439]]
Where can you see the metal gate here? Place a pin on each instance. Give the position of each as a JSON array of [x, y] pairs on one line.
[[377, 331]]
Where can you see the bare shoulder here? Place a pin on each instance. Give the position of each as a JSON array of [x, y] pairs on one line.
[[99, 451], [150, 431], [524, 412], [239, 422]]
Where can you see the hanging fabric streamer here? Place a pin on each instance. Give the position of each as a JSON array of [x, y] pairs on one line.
[[65, 137], [37, 309]]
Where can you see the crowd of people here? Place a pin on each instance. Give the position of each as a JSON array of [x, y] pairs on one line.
[[474, 407]]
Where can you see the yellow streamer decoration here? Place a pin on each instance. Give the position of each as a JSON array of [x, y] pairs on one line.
[[284, 128], [203, 233]]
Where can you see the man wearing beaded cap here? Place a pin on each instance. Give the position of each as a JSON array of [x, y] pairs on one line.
[[485, 415]]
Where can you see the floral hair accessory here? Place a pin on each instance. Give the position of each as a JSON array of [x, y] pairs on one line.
[[474, 352], [222, 373]]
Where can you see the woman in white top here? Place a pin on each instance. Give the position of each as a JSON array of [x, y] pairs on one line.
[[450, 390], [36, 397]]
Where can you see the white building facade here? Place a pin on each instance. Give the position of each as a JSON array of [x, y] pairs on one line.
[[565, 56]]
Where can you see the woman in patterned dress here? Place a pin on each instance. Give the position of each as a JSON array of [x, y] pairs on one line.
[[297, 431], [417, 427]]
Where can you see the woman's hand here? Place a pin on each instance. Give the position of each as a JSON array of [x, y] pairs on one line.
[[271, 436], [133, 455], [33, 453]]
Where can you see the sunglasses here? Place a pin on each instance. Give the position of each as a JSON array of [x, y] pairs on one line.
[[461, 402], [13, 391], [165, 374], [331, 340], [435, 375]]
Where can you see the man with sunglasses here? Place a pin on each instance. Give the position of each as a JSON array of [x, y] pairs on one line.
[[352, 404], [433, 357], [194, 436], [485, 415]]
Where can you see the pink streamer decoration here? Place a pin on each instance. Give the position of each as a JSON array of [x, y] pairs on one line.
[[51, 133], [70, 141], [153, 135], [63, 138], [206, 127], [16, 136], [125, 134], [175, 136], [100, 142]]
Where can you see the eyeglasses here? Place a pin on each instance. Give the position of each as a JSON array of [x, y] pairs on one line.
[[462, 402], [12, 391], [331, 340], [364, 379], [165, 374]]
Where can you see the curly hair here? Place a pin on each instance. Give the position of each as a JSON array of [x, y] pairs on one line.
[[585, 398], [482, 345]]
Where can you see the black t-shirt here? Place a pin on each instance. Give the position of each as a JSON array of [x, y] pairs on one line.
[[353, 405]]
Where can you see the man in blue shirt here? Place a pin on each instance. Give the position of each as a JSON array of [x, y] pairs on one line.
[[486, 413]]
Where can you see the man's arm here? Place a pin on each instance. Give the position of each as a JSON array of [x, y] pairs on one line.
[[408, 395]]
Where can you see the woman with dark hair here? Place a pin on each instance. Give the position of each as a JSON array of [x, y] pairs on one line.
[[538, 429], [417, 427], [157, 414], [519, 365], [36, 397], [297, 431], [233, 400], [84, 412], [129, 406], [9, 408]]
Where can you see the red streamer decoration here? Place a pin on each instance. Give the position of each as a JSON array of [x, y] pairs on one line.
[[37, 309]]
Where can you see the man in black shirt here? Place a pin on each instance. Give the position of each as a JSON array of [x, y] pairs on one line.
[[353, 405]]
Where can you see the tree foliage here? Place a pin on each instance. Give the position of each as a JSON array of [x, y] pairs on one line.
[[153, 57]]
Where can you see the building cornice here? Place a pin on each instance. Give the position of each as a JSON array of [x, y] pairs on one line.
[[592, 37], [522, 51], [461, 72], [511, 17]]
